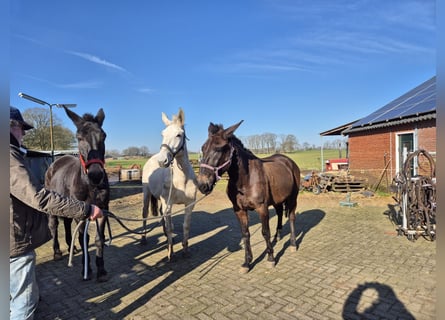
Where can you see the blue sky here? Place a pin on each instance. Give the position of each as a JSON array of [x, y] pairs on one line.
[[282, 66]]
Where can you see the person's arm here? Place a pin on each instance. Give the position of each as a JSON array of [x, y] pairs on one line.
[[27, 189]]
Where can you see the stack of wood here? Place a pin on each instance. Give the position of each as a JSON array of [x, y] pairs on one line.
[[341, 182]]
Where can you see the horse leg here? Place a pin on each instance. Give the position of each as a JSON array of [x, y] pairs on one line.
[[186, 231], [293, 243], [279, 212], [53, 223], [167, 225], [291, 211], [68, 234], [86, 268], [265, 230], [100, 242], [243, 219], [169, 233], [146, 203]]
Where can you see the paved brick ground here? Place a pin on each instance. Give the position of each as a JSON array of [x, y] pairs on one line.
[[350, 265]]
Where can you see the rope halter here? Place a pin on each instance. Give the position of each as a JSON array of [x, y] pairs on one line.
[[216, 169], [86, 164], [170, 150]]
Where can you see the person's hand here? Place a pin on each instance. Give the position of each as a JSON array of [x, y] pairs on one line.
[[96, 213]]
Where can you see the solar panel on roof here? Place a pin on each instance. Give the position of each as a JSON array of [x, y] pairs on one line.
[[419, 100]]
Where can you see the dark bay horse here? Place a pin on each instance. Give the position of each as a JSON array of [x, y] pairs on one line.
[[84, 178], [254, 184]]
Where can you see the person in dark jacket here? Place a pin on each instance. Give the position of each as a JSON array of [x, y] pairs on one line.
[[29, 205]]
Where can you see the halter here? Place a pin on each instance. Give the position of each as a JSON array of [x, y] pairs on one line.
[[85, 165], [216, 169], [170, 150]]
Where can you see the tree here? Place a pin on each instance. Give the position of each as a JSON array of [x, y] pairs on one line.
[[113, 153], [289, 143], [39, 138], [143, 151], [131, 151], [269, 142]]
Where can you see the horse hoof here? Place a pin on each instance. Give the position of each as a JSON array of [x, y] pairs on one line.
[[172, 259], [244, 270], [293, 248], [102, 278], [271, 264], [88, 278], [75, 250], [57, 255], [143, 241]]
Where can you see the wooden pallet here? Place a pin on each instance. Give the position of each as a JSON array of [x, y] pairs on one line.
[[348, 185]]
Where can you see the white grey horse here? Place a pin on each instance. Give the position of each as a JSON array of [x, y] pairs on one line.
[[168, 176]]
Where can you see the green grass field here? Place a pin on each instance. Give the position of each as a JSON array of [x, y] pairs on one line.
[[306, 160]]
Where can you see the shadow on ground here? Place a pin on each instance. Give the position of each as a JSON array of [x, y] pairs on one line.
[[385, 305]]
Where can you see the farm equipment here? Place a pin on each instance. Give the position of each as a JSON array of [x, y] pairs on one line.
[[416, 197], [311, 182]]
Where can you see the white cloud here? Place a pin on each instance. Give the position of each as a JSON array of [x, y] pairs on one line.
[[97, 60], [81, 85]]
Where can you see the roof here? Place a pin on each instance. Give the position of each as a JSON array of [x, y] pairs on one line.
[[47, 153], [416, 105], [338, 130]]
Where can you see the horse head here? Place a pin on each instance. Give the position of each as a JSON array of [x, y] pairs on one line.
[[91, 143], [173, 138], [216, 158]]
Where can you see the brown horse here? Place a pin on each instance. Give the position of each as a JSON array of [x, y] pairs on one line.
[[254, 184], [83, 178]]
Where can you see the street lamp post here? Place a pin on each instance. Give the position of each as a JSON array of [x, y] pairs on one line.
[[50, 105]]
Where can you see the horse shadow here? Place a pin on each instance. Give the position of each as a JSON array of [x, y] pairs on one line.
[[379, 307], [304, 222], [129, 270]]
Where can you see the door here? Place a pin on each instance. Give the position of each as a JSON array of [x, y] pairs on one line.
[[405, 147]]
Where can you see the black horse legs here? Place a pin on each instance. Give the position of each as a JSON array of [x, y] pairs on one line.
[[53, 224], [293, 242], [243, 219], [99, 243], [279, 212], [68, 235], [265, 230]]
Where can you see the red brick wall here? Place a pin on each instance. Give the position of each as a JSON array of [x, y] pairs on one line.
[[367, 149]]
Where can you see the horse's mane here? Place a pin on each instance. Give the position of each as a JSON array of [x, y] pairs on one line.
[[215, 128], [88, 117], [237, 142]]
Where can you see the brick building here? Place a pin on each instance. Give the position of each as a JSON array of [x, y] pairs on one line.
[[379, 143]]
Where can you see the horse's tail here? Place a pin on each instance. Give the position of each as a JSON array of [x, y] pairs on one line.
[[154, 206]]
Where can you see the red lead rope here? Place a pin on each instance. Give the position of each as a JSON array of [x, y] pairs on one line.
[[85, 165]]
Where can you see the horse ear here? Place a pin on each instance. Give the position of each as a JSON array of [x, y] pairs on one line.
[[100, 116], [229, 131], [181, 117], [165, 119], [213, 128], [74, 117]]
